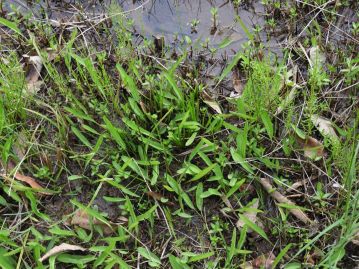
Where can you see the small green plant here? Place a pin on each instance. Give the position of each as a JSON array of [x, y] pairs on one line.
[[214, 13], [194, 25]]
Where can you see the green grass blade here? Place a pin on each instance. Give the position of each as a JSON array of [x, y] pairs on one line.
[[114, 133], [80, 136], [129, 83], [253, 226], [175, 88], [203, 173], [229, 67], [11, 25]]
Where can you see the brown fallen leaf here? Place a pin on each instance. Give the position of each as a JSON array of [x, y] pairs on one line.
[[207, 99], [325, 127], [20, 146], [237, 83], [33, 74], [297, 185], [251, 215], [29, 180], [313, 149], [82, 219], [263, 261], [159, 197], [61, 248], [284, 200], [35, 66]]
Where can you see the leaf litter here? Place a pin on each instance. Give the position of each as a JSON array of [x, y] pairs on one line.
[[251, 214], [82, 219], [64, 247], [280, 198], [325, 127], [263, 261]]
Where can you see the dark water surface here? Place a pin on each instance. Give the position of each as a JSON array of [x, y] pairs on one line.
[[167, 18]]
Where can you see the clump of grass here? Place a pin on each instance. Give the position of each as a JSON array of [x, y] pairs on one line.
[[138, 170]]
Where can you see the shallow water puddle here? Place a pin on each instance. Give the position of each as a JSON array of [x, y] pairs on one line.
[[172, 19], [180, 18]]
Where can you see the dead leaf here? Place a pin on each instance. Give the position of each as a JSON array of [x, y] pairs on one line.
[[211, 102], [297, 212], [33, 74], [82, 219], [59, 249], [30, 181], [237, 83], [263, 261], [325, 127], [19, 146], [155, 195], [35, 65], [297, 185], [251, 215], [159, 197], [313, 149]]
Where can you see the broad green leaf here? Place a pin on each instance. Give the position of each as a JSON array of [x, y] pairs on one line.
[[202, 256], [173, 184], [281, 255], [153, 144], [114, 133], [11, 25], [187, 200], [79, 114], [190, 139], [203, 172], [75, 259], [299, 132], [210, 192], [81, 137], [33, 203], [245, 28], [147, 214], [235, 188], [92, 212], [132, 125], [232, 249], [253, 226], [239, 159], [6, 262], [154, 261], [199, 199], [120, 187], [176, 263], [129, 83], [225, 43], [56, 230], [175, 88], [267, 123], [241, 140]]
